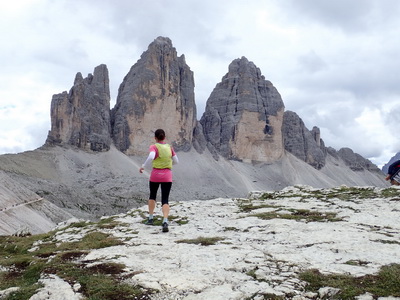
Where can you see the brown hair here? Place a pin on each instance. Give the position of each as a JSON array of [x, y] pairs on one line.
[[159, 134]]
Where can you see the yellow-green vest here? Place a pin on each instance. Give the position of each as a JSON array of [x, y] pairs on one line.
[[164, 159]]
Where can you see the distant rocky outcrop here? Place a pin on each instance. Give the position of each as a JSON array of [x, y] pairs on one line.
[[158, 92], [304, 144], [392, 160], [355, 161], [82, 117], [243, 116]]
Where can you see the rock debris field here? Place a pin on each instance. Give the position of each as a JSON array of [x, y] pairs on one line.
[[257, 247]]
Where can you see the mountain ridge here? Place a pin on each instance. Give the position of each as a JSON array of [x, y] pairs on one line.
[[244, 117], [245, 140]]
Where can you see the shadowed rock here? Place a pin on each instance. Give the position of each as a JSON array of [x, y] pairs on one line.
[[304, 144], [243, 116], [158, 92], [82, 117], [355, 161]]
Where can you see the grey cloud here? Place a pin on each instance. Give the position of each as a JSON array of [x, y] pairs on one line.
[[190, 24], [366, 83], [311, 62], [350, 16], [392, 119]]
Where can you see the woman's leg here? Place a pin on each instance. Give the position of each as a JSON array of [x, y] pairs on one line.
[[165, 190], [153, 196]]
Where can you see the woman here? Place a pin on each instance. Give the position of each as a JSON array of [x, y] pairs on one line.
[[162, 156]]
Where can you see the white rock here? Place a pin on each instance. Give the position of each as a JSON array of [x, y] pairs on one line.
[[55, 289], [6, 292], [366, 296], [217, 292], [273, 251], [327, 292]]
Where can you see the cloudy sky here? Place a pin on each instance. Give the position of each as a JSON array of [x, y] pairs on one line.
[[335, 63]]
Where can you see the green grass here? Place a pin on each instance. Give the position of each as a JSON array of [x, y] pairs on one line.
[[390, 192], [110, 223], [299, 215], [101, 281], [204, 241], [158, 220], [24, 268], [248, 207], [24, 293], [387, 242], [386, 283], [343, 193], [231, 229], [357, 262]]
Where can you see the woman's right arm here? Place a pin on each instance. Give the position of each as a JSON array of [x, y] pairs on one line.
[[149, 159]]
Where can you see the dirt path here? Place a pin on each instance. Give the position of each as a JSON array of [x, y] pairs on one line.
[[21, 204]]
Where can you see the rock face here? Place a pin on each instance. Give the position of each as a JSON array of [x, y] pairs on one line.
[[355, 161], [243, 116], [82, 117], [302, 143], [158, 92]]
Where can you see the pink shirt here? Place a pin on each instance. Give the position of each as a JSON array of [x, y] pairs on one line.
[[160, 175]]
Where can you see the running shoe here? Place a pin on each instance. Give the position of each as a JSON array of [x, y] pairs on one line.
[[149, 221], [165, 227]]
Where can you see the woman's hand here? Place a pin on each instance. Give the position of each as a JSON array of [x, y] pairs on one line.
[[141, 170]]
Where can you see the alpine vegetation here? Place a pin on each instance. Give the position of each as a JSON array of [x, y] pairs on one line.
[[297, 243]]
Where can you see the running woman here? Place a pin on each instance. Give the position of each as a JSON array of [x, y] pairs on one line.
[[162, 156]]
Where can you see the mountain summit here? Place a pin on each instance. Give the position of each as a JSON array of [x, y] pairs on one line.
[[244, 117], [158, 92], [82, 117], [244, 114]]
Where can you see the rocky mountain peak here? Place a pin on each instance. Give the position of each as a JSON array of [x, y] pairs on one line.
[[243, 116], [161, 40], [82, 116], [304, 144], [355, 161], [157, 92]]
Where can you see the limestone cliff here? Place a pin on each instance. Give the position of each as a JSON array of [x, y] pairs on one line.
[[82, 117], [243, 116], [158, 92], [304, 144], [355, 161]]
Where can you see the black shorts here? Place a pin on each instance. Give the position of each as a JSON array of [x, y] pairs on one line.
[[165, 189]]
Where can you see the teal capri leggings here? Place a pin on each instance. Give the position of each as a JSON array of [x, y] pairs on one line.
[[165, 189]]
